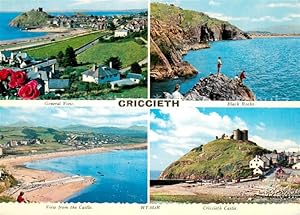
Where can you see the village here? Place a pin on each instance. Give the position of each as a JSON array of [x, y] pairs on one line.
[[62, 75], [264, 164], [129, 23], [74, 140]]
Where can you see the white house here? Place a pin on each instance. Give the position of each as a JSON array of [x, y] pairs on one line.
[[121, 33], [258, 165], [101, 75], [256, 162], [296, 166]]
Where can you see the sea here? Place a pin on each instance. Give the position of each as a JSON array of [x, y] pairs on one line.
[[154, 174], [121, 176], [271, 64], [11, 33]]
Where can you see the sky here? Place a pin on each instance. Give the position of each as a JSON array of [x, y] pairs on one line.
[[56, 117], [71, 5], [174, 132], [248, 15]]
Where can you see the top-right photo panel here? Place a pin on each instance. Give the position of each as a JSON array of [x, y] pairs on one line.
[[216, 50]]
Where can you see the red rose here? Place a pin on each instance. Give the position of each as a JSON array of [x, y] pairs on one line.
[[17, 79], [4, 73], [29, 91]]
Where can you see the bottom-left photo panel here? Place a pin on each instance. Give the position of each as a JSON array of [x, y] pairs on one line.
[[73, 154]]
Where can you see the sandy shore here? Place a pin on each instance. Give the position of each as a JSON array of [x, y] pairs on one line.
[[47, 186], [53, 34], [273, 35], [50, 30]]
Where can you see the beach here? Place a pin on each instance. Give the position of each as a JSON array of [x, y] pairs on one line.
[[47, 186], [53, 35]]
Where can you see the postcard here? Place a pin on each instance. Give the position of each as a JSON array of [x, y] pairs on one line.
[[149, 107]]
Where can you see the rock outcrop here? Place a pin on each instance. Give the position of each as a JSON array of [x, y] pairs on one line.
[[175, 31], [221, 88]]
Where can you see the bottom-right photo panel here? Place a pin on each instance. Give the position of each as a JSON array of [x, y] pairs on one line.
[[224, 155]]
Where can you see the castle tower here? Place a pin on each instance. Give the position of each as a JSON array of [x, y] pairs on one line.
[[245, 135], [237, 135]]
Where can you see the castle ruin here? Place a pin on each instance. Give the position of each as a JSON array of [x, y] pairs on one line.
[[238, 135]]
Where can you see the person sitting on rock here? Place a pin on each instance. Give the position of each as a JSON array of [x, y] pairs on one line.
[[242, 76], [219, 65], [176, 94], [20, 198]]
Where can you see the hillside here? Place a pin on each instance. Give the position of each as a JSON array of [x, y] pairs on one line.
[[227, 158], [6, 181], [30, 19], [134, 131], [175, 31], [25, 132]]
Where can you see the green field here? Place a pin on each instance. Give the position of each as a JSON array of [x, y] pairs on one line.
[[128, 51], [107, 94], [53, 49]]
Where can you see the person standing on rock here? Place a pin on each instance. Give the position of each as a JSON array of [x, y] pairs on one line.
[[176, 94], [219, 65], [242, 76]]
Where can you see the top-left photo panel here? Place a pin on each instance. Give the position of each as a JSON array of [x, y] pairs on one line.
[[73, 49]]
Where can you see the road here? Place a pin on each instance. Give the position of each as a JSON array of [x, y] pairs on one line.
[[142, 62]]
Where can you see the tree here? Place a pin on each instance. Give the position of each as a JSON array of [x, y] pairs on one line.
[[116, 62], [136, 68], [70, 57], [112, 26], [60, 58]]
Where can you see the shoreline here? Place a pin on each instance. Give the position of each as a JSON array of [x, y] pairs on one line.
[[49, 186], [50, 37]]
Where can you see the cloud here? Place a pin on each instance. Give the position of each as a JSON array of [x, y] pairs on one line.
[[221, 16], [284, 5], [214, 3], [90, 116], [279, 145], [224, 17], [181, 132], [260, 126], [154, 157]]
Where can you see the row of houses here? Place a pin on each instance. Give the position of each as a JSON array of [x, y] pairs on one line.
[[15, 143], [44, 72], [16, 59], [261, 164], [135, 25]]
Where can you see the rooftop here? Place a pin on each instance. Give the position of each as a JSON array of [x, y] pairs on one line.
[[59, 83]]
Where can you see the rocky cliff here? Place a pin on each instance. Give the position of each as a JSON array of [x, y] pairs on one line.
[[175, 31], [221, 88], [219, 158]]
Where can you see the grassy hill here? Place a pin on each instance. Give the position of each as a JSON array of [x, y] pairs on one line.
[[134, 132], [30, 19], [165, 12], [22, 133], [227, 158]]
